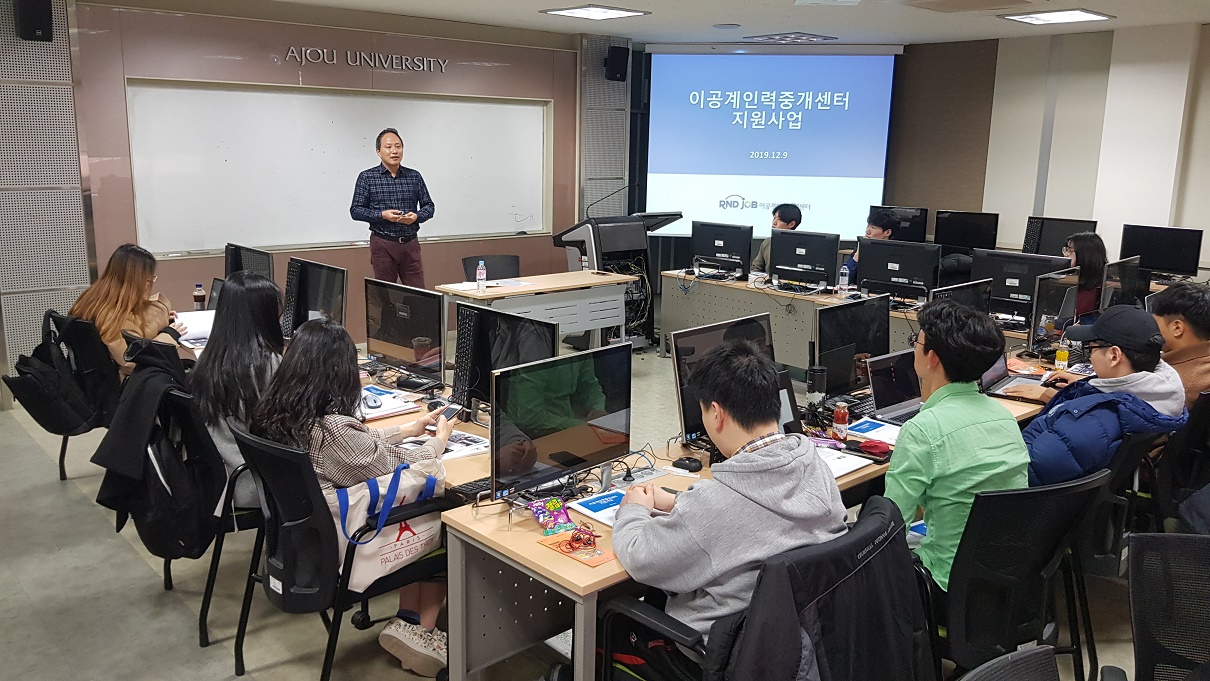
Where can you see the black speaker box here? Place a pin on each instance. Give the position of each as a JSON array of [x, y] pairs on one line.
[[34, 19], [616, 63]]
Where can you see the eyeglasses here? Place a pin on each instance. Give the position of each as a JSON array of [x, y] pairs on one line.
[[913, 338], [1068, 250], [1096, 346]]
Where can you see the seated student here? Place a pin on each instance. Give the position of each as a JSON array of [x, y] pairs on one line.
[[1134, 392], [1087, 252], [785, 216], [1183, 314], [311, 404], [121, 300], [962, 442], [774, 493], [243, 351], [881, 225]]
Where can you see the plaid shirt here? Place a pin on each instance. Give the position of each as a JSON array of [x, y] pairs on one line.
[[762, 441], [345, 452], [377, 190]]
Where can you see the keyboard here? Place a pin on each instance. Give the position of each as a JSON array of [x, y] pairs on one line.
[[800, 289], [1019, 327], [900, 419], [291, 298], [859, 407], [468, 327], [471, 490]]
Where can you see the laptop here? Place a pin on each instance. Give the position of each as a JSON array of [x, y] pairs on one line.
[[997, 379], [895, 387]]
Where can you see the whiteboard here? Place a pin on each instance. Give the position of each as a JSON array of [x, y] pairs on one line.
[[274, 166]]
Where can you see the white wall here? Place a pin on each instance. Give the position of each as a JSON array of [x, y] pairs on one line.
[[1193, 204]]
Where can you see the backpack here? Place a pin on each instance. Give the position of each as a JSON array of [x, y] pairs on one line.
[[46, 386]]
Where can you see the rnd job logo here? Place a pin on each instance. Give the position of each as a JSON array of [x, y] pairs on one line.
[[410, 543], [737, 201]]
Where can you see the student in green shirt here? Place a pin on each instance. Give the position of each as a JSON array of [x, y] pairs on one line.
[[962, 442]]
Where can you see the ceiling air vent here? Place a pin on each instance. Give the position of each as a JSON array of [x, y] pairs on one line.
[[972, 5], [792, 38]]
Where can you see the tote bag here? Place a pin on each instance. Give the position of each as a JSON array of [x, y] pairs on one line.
[[388, 548]]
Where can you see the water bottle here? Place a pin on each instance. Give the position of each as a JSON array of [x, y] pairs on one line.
[[199, 297], [481, 277], [842, 279]]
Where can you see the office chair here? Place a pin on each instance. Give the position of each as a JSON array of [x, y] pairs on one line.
[[1102, 541], [1184, 467], [300, 573], [498, 266], [1168, 596], [1031, 664], [1002, 576]]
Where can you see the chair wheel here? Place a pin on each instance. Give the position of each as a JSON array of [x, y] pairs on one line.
[[361, 620]]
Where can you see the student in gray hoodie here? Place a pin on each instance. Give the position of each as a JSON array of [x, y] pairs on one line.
[[706, 545]]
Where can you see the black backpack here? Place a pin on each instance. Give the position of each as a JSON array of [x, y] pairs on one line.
[[46, 386]]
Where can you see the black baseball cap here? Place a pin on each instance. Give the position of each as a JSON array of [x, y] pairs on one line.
[[1125, 326]]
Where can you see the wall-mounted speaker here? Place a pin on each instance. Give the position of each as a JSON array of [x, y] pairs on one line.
[[616, 63], [34, 19]]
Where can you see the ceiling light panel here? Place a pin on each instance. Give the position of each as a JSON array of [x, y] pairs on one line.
[[595, 12], [1066, 16], [793, 38]]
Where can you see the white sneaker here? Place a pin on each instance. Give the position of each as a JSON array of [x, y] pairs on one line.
[[418, 650]]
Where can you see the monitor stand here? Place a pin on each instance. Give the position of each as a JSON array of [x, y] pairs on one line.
[[474, 410]]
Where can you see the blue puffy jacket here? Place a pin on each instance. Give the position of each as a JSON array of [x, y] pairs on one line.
[[1081, 428]]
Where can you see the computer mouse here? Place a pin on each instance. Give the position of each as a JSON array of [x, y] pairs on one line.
[[371, 401], [688, 463], [854, 296]]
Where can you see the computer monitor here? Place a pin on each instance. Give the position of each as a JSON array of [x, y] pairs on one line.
[[848, 334], [901, 268], [216, 288], [803, 257], [1048, 236], [1124, 283], [313, 290], [723, 248], [1013, 277], [240, 258], [690, 345], [961, 232], [1054, 307], [403, 327], [1170, 250], [558, 416], [913, 222], [490, 340], [976, 295]]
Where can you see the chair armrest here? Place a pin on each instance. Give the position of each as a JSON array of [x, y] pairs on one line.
[[655, 619], [400, 514], [1112, 674]]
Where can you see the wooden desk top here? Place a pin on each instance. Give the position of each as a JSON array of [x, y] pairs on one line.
[[818, 299], [542, 283]]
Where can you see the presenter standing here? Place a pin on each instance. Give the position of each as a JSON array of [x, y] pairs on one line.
[[394, 201]]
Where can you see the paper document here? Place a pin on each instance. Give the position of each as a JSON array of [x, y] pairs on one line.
[[197, 324], [870, 429], [473, 285], [459, 445], [394, 402], [841, 463], [602, 508]]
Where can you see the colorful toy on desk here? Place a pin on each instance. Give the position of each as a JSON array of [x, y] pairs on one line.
[[551, 515]]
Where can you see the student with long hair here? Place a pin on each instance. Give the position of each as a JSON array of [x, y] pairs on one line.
[[1087, 252], [311, 404], [242, 353], [121, 300]]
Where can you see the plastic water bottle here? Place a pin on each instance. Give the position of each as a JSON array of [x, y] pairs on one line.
[[199, 297], [481, 277], [842, 279]]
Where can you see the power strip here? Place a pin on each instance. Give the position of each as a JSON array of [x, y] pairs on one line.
[[640, 476]]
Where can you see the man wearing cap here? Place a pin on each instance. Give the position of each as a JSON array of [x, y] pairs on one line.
[[1133, 393]]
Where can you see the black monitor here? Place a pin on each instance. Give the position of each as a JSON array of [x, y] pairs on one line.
[[689, 345], [848, 334], [1170, 250], [1124, 283], [313, 290], [1013, 277], [961, 232], [240, 258], [490, 340], [1054, 307], [1048, 236], [403, 327], [721, 248], [913, 222], [901, 268], [216, 288], [558, 416], [803, 257], [976, 295]]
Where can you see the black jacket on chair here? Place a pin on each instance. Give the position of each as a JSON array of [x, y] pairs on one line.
[[847, 609]]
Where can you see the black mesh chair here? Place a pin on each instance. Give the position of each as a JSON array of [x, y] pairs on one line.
[[1169, 593], [1102, 540], [1001, 583], [498, 266], [1031, 664], [300, 573]]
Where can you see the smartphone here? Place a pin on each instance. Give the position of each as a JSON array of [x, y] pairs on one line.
[[449, 412]]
